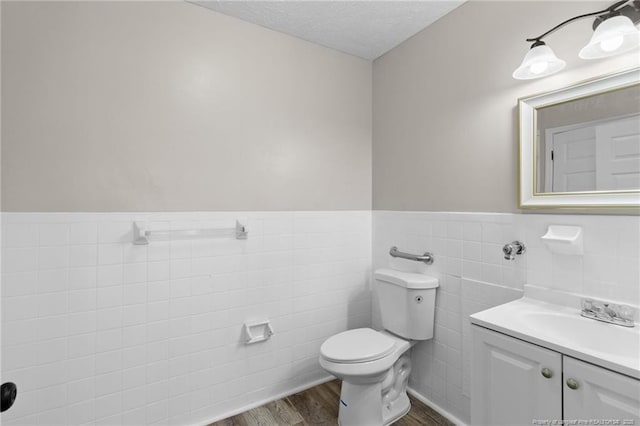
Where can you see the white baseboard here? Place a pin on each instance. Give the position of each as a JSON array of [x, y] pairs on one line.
[[266, 401], [436, 407]]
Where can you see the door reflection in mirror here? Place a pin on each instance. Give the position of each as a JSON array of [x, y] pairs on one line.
[[590, 143]]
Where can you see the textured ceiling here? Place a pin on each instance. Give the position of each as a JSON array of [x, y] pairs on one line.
[[367, 29]]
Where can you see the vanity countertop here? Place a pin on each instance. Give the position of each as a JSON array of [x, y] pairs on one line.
[[562, 329]]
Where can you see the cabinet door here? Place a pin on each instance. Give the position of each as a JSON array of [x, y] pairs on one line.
[[513, 382], [600, 394]]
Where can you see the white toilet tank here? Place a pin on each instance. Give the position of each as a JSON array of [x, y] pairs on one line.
[[407, 303]]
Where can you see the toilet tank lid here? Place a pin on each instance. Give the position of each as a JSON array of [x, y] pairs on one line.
[[410, 280]]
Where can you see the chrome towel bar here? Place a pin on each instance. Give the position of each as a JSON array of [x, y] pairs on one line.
[[427, 257]]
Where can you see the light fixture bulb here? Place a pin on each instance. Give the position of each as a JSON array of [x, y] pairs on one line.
[[612, 43], [539, 67], [540, 61], [613, 36]]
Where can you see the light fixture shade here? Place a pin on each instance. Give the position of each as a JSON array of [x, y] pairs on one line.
[[613, 36], [540, 61]]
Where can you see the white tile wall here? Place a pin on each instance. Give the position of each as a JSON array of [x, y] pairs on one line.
[[474, 276], [609, 268], [96, 330]]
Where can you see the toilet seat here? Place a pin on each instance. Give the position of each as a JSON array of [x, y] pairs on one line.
[[356, 346]]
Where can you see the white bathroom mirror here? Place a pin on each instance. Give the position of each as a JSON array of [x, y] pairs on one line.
[[580, 145]]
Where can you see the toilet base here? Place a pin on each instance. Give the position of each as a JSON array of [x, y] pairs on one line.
[[360, 406], [400, 408], [379, 403]]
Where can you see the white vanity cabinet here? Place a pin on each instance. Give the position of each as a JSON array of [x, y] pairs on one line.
[[513, 381], [592, 392], [519, 383]]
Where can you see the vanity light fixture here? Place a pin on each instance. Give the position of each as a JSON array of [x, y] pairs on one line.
[[539, 61], [614, 33]]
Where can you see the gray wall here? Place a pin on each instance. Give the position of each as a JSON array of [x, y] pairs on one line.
[[148, 106], [444, 107]]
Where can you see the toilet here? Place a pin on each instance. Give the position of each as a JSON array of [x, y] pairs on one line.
[[374, 366]]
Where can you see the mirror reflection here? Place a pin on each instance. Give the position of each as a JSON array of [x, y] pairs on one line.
[[589, 144]]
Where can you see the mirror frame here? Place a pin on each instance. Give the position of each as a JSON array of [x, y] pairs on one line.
[[528, 198]]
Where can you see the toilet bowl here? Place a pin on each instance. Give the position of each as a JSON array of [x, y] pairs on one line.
[[374, 366]]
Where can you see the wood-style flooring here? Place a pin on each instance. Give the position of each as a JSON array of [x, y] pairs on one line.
[[319, 406]]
